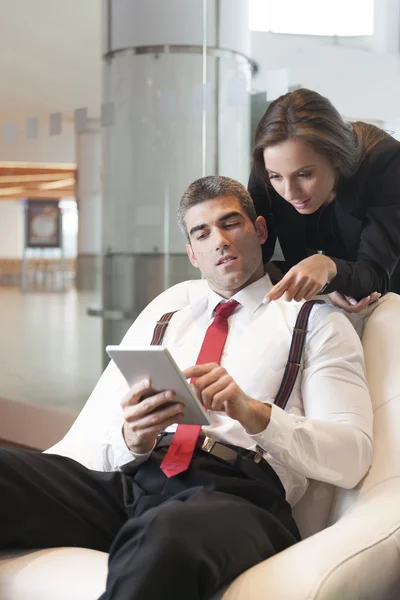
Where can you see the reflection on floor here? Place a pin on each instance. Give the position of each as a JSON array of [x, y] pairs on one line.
[[50, 351]]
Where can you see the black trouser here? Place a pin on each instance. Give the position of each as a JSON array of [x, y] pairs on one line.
[[395, 280], [180, 538]]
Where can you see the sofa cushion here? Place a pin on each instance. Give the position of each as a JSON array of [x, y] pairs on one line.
[[53, 574]]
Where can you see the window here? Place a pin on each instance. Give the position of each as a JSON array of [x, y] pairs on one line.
[[313, 17]]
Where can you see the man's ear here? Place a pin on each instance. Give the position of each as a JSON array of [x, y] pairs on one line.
[[191, 255], [260, 226]]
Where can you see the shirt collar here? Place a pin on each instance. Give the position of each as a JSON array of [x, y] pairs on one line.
[[250, 297]]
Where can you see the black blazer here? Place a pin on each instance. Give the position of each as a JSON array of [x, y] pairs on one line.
[[367, 212]]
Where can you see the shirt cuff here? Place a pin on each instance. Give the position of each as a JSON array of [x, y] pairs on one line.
[[122, 454], [276, 435]]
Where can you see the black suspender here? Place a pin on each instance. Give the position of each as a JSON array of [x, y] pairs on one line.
[[295, 352]]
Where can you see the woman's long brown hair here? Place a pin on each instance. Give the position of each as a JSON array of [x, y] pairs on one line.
[[307, 116]]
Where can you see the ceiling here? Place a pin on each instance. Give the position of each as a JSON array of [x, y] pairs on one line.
[[50, 57], [37, 180]]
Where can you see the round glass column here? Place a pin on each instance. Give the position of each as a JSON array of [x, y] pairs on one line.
[[177, 100]]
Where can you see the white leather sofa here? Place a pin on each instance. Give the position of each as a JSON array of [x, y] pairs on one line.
[[351, 549]]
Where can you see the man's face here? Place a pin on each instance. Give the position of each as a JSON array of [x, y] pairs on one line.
[[224, 244]]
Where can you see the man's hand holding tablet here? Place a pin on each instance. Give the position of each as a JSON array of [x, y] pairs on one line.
[[146, 414], [159, 395]]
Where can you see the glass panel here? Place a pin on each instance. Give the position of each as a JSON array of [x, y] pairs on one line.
[[181, 112], [167, 115]]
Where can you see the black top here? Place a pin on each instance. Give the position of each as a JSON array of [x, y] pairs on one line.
[[322, 233], [359, 230]]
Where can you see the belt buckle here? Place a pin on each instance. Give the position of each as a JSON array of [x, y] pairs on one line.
[[208, 444], [258, 455]]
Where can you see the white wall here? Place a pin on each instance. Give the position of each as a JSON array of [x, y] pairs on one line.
[[360, 75], [45, 148], [11, 229], [361, 83]]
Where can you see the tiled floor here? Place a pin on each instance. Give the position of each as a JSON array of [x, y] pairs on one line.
[[50, 350]]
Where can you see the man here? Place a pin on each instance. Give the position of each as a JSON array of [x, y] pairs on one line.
[[186, 535]]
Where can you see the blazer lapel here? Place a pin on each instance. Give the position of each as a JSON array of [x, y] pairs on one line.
[[350, 224]]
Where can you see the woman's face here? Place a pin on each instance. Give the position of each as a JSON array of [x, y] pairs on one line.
[[300, 175]]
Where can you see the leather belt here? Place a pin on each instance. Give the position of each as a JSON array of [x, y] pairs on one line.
[[221, 450]]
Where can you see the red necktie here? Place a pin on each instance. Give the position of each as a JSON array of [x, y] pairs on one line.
[[180, 452]]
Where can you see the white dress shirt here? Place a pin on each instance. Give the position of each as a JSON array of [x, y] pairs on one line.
[[325, 432]]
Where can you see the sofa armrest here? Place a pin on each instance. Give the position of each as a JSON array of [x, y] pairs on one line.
[[357, 557]]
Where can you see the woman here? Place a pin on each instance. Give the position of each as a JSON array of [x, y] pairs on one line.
[[330, 192]]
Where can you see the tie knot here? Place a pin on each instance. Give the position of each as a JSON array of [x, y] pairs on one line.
[[225, 309]]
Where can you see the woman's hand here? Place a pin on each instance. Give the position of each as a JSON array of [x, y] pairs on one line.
[[304, 280], [350, 305]]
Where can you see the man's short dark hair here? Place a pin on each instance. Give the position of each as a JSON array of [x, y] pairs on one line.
[[208, 188]]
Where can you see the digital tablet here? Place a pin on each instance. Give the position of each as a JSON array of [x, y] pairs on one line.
[[156, 363]]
